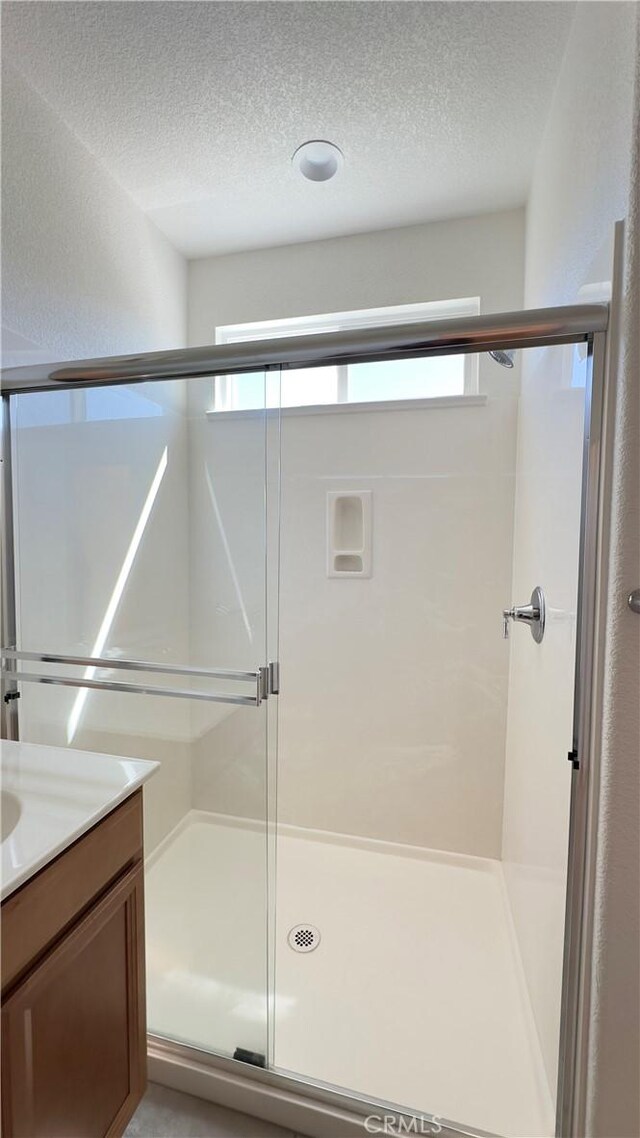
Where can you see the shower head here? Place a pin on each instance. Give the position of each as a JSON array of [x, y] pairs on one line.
[[504, 357]]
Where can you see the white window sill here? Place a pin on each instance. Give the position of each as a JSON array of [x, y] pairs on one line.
[[441, 403]]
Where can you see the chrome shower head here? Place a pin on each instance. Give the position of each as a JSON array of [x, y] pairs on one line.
[[504, 357]]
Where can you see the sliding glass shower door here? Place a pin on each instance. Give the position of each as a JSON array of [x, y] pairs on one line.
[[423, 785], [143, 600], [436, 590]]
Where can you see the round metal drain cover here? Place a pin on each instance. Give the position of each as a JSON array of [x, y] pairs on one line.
[[304, 938]]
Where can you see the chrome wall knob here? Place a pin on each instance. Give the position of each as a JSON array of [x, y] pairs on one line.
[[532, 614]]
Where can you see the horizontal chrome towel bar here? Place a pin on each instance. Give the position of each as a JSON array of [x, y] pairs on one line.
[[139, 689], [130, 665]]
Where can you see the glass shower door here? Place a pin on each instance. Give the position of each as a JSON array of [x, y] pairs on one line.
[[423, 782], [140, 542]]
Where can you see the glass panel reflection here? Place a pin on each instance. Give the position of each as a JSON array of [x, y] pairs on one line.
[[141, 536]]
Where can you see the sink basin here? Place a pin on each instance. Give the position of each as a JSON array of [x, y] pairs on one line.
[[10, 811]]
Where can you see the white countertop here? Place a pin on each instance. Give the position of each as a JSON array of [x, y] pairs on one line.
[[59, 794]]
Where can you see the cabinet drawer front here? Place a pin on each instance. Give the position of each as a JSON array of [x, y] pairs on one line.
[[34, 916], [73, 1062]]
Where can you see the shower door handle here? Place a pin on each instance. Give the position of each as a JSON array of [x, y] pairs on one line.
[[264, 680], [532, 614]]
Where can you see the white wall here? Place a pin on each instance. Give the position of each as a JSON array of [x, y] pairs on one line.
[[80, 489], [393, 704], [541, 678], [86, 274], [374, 672], [579, 190], [366, 746], [475, 256]]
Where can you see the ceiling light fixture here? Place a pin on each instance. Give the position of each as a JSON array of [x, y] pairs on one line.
[[318, 160]]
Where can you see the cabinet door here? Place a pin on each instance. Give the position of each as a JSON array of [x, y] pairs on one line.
[[74, 1046]]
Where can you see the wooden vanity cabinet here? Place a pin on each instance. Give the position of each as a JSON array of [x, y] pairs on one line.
[[73, 1008]]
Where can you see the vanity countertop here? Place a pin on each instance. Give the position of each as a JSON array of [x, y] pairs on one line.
[[52, 795]]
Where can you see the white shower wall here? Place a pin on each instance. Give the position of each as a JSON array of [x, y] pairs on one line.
[[392, 712], [393, 705], [541, 679], [363, 747], [579, 190]]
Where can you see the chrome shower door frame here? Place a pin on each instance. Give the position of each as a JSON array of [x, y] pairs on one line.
[[533, 328]]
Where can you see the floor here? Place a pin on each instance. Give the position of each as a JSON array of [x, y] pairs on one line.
[[415, 994], [164, 1113]]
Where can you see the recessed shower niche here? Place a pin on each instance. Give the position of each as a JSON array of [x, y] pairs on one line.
[[349, 533]]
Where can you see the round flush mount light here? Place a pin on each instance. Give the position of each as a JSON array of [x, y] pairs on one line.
[[318, 160]]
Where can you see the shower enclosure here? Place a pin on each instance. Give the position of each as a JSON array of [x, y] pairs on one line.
[[358, 637]]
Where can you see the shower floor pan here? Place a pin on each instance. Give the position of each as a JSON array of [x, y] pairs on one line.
[[413, 994]]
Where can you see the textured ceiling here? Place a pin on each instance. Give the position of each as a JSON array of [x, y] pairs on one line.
[[196, 108]]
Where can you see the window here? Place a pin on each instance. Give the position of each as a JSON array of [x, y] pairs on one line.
[[392, 380]]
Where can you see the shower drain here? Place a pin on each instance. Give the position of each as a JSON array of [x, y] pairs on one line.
[[304, 938]]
